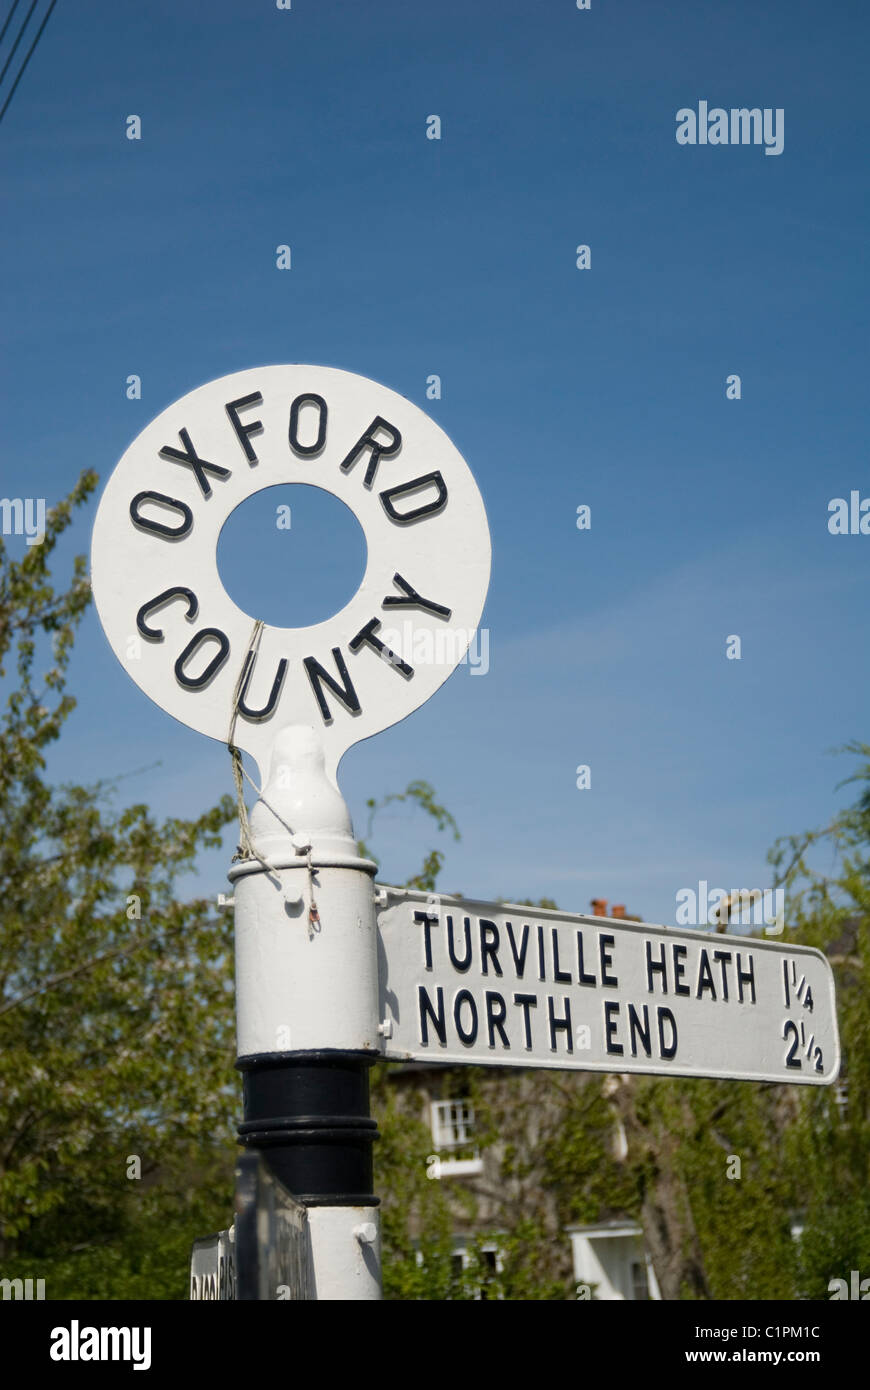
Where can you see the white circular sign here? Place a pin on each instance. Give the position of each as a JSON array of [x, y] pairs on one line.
[[186, 643]]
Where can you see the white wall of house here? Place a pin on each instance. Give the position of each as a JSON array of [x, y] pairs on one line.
[[613, 1256]]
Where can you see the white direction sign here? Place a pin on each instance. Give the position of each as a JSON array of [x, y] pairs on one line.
[[212, 1268], [495, 984], [186, 643]]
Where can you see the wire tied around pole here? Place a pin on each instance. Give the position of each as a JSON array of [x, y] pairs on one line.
[[247, 849]]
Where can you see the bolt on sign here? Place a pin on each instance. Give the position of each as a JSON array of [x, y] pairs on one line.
[[493, 984], [185, 642]]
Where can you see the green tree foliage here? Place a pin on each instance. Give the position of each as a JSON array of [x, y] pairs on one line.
[[116, 1036], [826, 874], [422, 795]]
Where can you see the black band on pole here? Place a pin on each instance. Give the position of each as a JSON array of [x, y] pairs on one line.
[[309, 1115]]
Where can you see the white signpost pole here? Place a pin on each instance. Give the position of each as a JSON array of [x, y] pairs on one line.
[[307, 1011], [295, 699]]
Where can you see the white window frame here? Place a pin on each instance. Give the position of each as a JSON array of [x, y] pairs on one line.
[[453, 1125], [456, 1153], [460, 1252]]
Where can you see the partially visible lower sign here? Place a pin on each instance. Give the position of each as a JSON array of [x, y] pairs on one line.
[[266, 1254], [501, 985], [272, 1244], [212, 1268]]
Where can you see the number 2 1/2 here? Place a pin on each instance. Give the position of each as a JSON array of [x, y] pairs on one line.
[[790, 1029]]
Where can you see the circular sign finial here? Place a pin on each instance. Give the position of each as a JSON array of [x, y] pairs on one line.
[[185, 642]]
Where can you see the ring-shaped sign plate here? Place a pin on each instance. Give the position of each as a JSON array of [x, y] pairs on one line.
[[185, 642]]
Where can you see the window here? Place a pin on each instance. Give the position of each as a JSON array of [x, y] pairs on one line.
[[453, 1126], [453, 1134], [639, 1283], [489, 1265]]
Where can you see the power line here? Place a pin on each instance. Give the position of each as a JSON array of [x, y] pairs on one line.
[[15, 4], [18, 40], [29, 52]]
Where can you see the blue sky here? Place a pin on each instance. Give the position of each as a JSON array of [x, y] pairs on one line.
[[410, 257]]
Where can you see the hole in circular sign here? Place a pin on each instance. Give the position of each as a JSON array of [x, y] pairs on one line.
[[292, 555]]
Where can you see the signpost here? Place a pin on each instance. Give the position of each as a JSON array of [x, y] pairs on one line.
[[308, 1023], [325, 985], [499, 985]]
